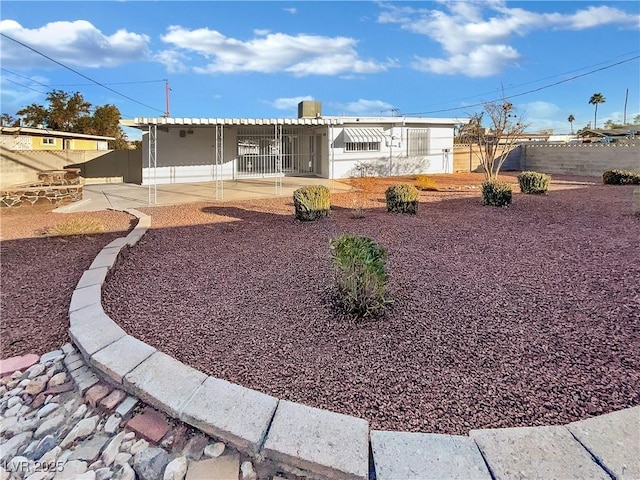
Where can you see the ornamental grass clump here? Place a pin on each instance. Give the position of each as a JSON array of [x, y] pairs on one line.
[[312, 202], [402, 198], [425, 183], [620, 177], [82, 226], [497, 194], [534, 182], [360, 275]]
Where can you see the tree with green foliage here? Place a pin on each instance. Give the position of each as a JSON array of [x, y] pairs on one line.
[[72, 113], [596, 99], [571, 119], [7, 120]]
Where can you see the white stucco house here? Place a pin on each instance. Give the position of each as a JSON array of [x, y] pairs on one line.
[[182, 150]]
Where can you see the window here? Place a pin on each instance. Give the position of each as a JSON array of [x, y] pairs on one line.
[[48, 141], [362, 146], [418, 142]]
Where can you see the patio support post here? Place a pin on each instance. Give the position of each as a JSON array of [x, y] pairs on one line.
[[152, 176], [217, 175]]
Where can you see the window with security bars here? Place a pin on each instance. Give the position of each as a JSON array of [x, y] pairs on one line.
[[418, 142], [362, 146]]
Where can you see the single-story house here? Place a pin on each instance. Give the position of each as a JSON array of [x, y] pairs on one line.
[[28, 138], [182, 150]]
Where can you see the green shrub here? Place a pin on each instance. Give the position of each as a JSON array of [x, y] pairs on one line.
[[402, 198], [361, 278], [620, 177], [81, 226], [312, 202], [425, 183], [496, 193], [534, 182]]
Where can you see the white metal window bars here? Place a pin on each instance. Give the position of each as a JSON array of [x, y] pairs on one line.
[[152, 164]]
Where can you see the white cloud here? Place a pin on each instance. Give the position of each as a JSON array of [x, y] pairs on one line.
[[541, 109], [289, 103], [484, 61], [291, 10], [172, 60], [363, 107], [76, 43], [476, 33], [274, 52]]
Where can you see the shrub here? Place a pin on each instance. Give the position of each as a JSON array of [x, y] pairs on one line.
[[402, 198], [312, 202], [636, 201], [620, 177], [534, 182], [426, 184], [496, 193], [81, 226], [361, 278]]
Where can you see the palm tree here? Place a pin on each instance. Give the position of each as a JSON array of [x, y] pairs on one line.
[[571, 119], [595, 99]]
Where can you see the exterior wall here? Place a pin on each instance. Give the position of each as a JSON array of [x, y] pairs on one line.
[[34, 142], [114, 166], [22, 166], [81, 144], [192, 156], [393, 157], [588, 159]]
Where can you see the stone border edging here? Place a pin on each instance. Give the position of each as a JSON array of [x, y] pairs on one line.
[[323, 444]]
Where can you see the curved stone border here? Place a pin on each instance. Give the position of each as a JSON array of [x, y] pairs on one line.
[[322, 444]]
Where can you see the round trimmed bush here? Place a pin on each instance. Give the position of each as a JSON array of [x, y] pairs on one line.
[[534, 182], [402, 198]]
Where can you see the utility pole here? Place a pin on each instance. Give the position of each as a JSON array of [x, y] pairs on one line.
[[626, 98], [167, 89]]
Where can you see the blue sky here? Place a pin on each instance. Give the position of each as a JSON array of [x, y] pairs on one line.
[[259, 59]]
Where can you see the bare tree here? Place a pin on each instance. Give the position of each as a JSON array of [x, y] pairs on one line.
[[495, 142]]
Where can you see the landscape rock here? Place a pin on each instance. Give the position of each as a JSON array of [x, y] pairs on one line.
[[44, 445], [248, 473], [111, 452], [58, 379], [139, 446], [50, 425], [150, 464], [214, 450], [71, 470], [176, 469], [46, 410], [83, 428], [112, 424], [9, 448]]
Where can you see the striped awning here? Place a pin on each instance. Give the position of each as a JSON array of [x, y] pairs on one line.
[[356, 135]]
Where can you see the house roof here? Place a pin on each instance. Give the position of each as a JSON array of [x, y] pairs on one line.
[[612, 132], [50, 133], [140, 122]]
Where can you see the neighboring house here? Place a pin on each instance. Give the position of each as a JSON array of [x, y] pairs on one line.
[[181, 150], [612, 135], [27, 138]]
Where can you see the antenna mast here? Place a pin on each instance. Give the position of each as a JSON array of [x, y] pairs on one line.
[[167, 89]]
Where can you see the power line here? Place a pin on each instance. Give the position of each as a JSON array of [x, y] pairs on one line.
[[81, 74], [25, 86], [77, 84], [528, 91]]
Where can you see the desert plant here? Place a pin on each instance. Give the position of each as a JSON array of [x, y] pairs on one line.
[[312, 202], [497, 194], [425, 183], [534, 182], [80, 226], [620, 177], [360, 275], [402, 198]]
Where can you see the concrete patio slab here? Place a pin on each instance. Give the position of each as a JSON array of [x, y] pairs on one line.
[[164, 382], [424, 456], [322, 442], [231, 412], [121, 357], [536, 453], [614, 440]]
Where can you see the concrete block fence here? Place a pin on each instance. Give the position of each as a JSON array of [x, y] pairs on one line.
[[321, 444]]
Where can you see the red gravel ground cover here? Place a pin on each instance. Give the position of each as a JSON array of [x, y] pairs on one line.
[[38, 275], [528, 315]]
